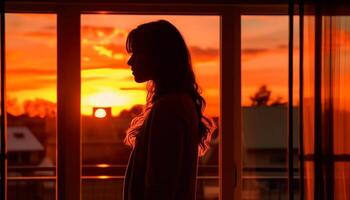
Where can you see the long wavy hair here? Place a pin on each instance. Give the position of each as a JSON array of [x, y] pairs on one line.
[[166, 46]]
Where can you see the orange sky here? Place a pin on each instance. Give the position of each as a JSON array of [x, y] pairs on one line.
[[106, 79], [104, 59]]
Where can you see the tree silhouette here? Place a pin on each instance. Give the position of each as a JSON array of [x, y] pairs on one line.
[[261, 97], [13, 106], [39, 108], [278, 102]]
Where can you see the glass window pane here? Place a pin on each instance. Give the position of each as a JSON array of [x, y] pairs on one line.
[[107, 83], [31, 72], [265, 105]]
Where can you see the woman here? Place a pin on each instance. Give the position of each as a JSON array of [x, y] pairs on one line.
[[166, 137]]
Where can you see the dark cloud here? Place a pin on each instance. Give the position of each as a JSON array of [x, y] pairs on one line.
[[132, 88], [204, 54], [247, 53], [253, 51], [282, 46], [116, 48], [51, 27], [41, 34]]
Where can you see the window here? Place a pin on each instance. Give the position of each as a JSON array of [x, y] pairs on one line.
[[265, 106], [31, 105], [77, 77], [111, 98]]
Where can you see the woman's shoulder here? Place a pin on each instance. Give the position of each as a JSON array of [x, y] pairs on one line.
[[176, 103]]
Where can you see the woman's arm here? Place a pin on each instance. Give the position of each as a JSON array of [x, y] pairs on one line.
[[165, 150]]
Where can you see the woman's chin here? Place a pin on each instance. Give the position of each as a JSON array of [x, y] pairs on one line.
[[139, 80]]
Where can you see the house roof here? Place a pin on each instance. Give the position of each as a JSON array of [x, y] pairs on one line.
[[20, 138]]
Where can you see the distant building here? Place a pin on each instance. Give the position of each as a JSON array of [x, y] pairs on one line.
[[27, 157], [264, 145], [23, 147], [264, 135], [102, 138]]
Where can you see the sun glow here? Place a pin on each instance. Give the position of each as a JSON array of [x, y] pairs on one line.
[[100, 113], [116, 99], [103, 165], [103, 177], [106, 99]]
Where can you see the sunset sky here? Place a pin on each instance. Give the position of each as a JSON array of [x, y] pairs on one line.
[[107, 80]]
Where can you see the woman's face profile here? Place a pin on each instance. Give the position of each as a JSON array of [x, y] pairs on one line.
[[141, 67]]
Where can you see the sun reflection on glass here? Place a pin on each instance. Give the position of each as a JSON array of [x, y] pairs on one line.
[[103, 165]]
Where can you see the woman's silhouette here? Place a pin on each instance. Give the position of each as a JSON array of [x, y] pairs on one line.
[[167, 135]]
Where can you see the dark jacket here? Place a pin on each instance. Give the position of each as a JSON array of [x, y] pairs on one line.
[[163, 163]]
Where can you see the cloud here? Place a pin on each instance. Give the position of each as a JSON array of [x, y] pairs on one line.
[[200, 54], [116, 48], [95, 29], [103, 31], [41, 34], [132, 88], [51, 27], [115, 56], [110, 51], [32, 72], [33, 84], [250, 53], [100, 63], [282, 46], [254, 51]]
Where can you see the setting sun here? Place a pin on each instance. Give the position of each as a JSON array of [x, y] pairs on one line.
[[100, 113], [108, 98]]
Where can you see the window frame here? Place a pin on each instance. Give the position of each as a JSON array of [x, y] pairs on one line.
[[68, 176]]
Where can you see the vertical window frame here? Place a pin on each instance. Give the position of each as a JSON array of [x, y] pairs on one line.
[[69, 158]]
